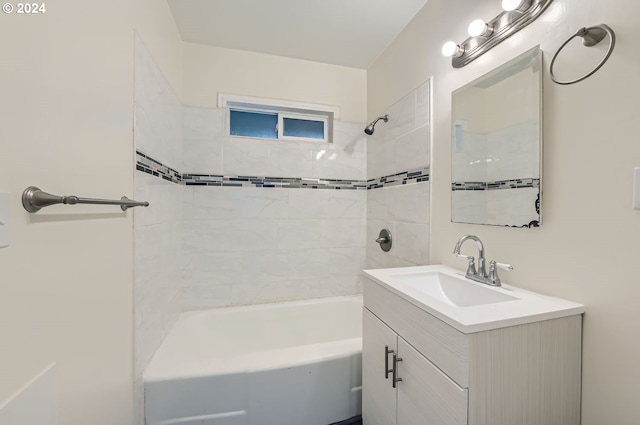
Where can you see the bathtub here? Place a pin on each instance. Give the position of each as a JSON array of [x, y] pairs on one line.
[[290, 363]]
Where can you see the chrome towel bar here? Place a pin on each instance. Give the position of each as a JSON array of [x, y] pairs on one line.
[[33, 199]]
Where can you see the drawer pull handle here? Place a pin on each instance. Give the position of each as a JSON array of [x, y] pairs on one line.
[[387, 371], [395, 379]]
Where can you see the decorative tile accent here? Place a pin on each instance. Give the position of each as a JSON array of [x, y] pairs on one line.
[[146, 164], [412, 176], [277, 182], [496, 185]]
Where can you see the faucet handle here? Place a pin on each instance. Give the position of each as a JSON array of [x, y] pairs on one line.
[[503, 266], [494, 279], [471, 267]]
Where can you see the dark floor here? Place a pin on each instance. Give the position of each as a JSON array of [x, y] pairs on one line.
[[356, 420]]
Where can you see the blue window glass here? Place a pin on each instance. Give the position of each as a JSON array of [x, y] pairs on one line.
[[309, 129], [253, 124]]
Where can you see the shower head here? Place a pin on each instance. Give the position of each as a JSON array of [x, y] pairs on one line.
[[371, 127]]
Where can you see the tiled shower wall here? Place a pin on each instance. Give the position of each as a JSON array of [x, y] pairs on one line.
[[400, 145], [241, 221], [158, 228], [200, 246], [245, 245]]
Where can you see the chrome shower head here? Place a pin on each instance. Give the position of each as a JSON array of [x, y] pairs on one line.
[[371, 127]]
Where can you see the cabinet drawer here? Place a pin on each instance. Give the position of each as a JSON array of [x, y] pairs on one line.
[[425, 394], [443, 345]]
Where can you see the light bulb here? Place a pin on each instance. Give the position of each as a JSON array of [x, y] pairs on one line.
[[509, 5], [450, 48], [478, 27]]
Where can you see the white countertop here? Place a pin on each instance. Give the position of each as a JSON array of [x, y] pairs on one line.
[[519, 307]]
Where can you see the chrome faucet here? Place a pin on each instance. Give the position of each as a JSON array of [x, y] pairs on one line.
[[490, 278]]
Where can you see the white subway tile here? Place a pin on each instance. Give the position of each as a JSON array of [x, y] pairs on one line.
[[422, 105], [402, 116], [289, 159], [213, 202], [216, 268], [310, 203], [341, 285], [203, 123], [347, 203], [409, 203], [338, 164], [349, 136], [347, 261], [264, 266], [308, 263], [295, 234], [198, 297], [412, 150], [297, 289], [343, 233], [202, 156], [377, 204], [412, 242], [249, 293], [245, 157], [229, 235]]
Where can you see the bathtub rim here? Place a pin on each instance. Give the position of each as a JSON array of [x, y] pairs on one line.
[[156, 371]]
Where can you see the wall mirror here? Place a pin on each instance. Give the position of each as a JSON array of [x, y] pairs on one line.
[[496, 147]]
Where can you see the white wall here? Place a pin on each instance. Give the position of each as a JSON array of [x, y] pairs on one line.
[[66, 79], [212, 70], [585, 249], [66, 83]]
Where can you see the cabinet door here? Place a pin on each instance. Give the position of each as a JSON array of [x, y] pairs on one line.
[[378, 395], [426, 395]]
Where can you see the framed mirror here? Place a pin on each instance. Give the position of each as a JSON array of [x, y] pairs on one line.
[[496, 146]]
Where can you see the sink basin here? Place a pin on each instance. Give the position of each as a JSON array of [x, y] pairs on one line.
[[452, 290], [469, 306]]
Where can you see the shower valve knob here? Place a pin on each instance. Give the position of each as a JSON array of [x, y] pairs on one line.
[[384, 239]]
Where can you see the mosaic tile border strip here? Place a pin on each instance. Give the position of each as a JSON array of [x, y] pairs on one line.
[[496, 185], [275, 182], [149, 165], [412, 176]]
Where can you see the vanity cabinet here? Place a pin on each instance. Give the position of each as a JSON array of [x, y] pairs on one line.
[[428, 397], [527, 374]]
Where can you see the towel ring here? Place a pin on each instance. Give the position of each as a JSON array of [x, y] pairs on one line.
[[590, 37]]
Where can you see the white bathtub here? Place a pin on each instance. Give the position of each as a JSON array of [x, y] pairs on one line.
[[293, 363]]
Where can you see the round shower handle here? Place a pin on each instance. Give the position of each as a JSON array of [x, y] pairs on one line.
[[384, 239]]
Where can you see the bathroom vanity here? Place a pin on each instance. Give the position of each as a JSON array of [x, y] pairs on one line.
[[441, 349]]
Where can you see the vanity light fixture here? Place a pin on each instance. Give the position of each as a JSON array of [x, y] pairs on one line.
[[479, 28], [483, 36], [450, 48]]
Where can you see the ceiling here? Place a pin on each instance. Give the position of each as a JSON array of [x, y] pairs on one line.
[[351, 33]]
